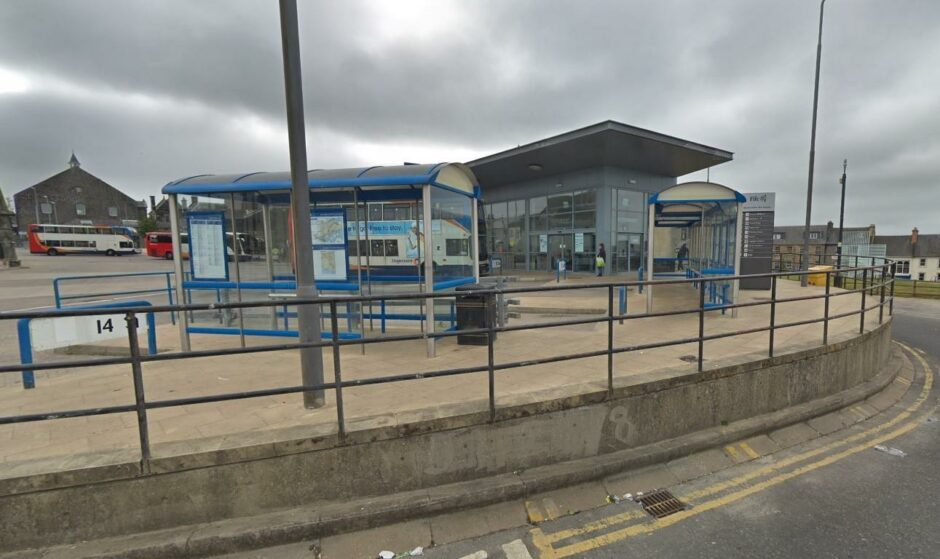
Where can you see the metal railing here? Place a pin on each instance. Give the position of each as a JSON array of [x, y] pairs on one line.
[[883, 289]]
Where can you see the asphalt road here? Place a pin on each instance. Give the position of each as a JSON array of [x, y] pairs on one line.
[[867, 505]]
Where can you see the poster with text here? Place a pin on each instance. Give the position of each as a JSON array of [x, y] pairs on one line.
[[207, 254], [330, 249]]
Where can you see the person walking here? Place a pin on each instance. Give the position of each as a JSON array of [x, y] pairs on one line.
[[601, 260]]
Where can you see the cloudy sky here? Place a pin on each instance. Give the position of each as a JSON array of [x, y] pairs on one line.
[[146, 92]]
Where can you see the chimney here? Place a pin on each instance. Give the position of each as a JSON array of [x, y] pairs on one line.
[[913, 236], [153, 203]]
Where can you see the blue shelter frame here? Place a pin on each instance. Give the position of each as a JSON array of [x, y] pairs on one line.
[[711, 216], [446, 194]]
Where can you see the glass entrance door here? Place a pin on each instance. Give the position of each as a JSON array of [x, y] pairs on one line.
[[559, 248], [628, 252]]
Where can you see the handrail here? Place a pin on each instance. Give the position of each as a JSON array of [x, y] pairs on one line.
[[883, 289]]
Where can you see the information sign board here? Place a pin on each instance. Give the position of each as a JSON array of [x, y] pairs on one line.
[[207, 251], [328, 233], [757, 243]]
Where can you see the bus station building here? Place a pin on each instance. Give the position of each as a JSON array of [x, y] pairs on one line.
[[560, 197]]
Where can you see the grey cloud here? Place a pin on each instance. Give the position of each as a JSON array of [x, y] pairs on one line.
[[736, 75]]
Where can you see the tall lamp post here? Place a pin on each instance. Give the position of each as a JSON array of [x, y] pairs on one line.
[[845, 163], [308, 316], [812, 152]]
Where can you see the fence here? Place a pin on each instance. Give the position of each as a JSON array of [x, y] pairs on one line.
[[876, 281]]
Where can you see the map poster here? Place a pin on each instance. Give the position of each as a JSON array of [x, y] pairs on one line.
[[207, 252], [330, 250]]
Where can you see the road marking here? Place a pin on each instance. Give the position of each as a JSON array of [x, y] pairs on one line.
[[534, 513], [516, 550], [732, 452], [544, 541], [650, 527], [551, 508], [476, 555], [749, 451]]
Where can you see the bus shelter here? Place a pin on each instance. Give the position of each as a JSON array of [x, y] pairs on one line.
[[374, 230], [696, 231]]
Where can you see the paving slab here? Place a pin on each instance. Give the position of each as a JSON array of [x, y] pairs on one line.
[[652, 477], [568, 500], [793, 435], [456, 526], [700, 464], [368, 543], [829, 423]]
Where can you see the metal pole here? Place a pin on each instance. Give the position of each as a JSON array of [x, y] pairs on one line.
[[738, 249], [365, 212], [881, 305], [491, 372], [475, 242], [362, 328], [701, 322], [140, 403], [429, 270], [268, 256], [36, 204], [651, 226], [861, 321], [773, 313], [826, 313], [308, 316], [238, 276], [845, 163], [181, 324], [337, 372], [610, 341], [812, 151], [894, 270]]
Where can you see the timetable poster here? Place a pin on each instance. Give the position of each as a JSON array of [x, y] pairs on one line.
[[207, 254], [330, 249]]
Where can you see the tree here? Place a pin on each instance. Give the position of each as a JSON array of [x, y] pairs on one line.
[[146, 225]]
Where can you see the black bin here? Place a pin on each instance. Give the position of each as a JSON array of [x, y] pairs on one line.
[[475, 310]]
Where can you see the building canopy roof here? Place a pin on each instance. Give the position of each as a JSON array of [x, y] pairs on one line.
[[608, 143], [453, 176], [683, 205]]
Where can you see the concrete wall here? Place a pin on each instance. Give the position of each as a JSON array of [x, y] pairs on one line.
[[106, 501]]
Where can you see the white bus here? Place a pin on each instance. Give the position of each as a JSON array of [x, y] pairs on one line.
[[79, 239]]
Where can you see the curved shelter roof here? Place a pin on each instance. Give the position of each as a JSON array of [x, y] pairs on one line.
[[683, 205], [452, 176]]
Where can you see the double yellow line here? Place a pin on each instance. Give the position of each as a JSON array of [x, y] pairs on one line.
[[545, 542]]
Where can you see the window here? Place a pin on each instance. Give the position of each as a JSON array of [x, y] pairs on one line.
[[72, 244], [79, 209], [378, 248], [391, 247], [396, 212], [126, 244], [458, 247], [814, 235], [46, 208], [923, 262], [375, 212], [52, 243], [904, 267], [778, 236], [920, 276], [112, 211]]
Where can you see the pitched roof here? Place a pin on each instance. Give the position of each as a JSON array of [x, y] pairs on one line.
[[900, 245]]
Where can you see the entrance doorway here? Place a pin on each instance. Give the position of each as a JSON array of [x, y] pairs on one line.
[[628, 252], [559, 248]]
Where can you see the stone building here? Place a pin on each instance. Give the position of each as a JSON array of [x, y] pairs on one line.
[[823, 244], [76, 197], [918, 255]]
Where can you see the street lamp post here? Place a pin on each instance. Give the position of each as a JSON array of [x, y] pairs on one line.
[[845, 163], [812, 152]]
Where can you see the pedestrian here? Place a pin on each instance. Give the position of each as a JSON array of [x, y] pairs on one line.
[[682, 256], [601, 260]]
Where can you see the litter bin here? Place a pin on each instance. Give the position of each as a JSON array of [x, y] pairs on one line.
[[818, 279], [475, 310]]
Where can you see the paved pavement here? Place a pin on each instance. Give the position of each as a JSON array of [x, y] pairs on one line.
[[56, 444], [792, 494]]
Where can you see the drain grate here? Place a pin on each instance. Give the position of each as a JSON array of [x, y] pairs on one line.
[[661, 503], [690, 358]]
